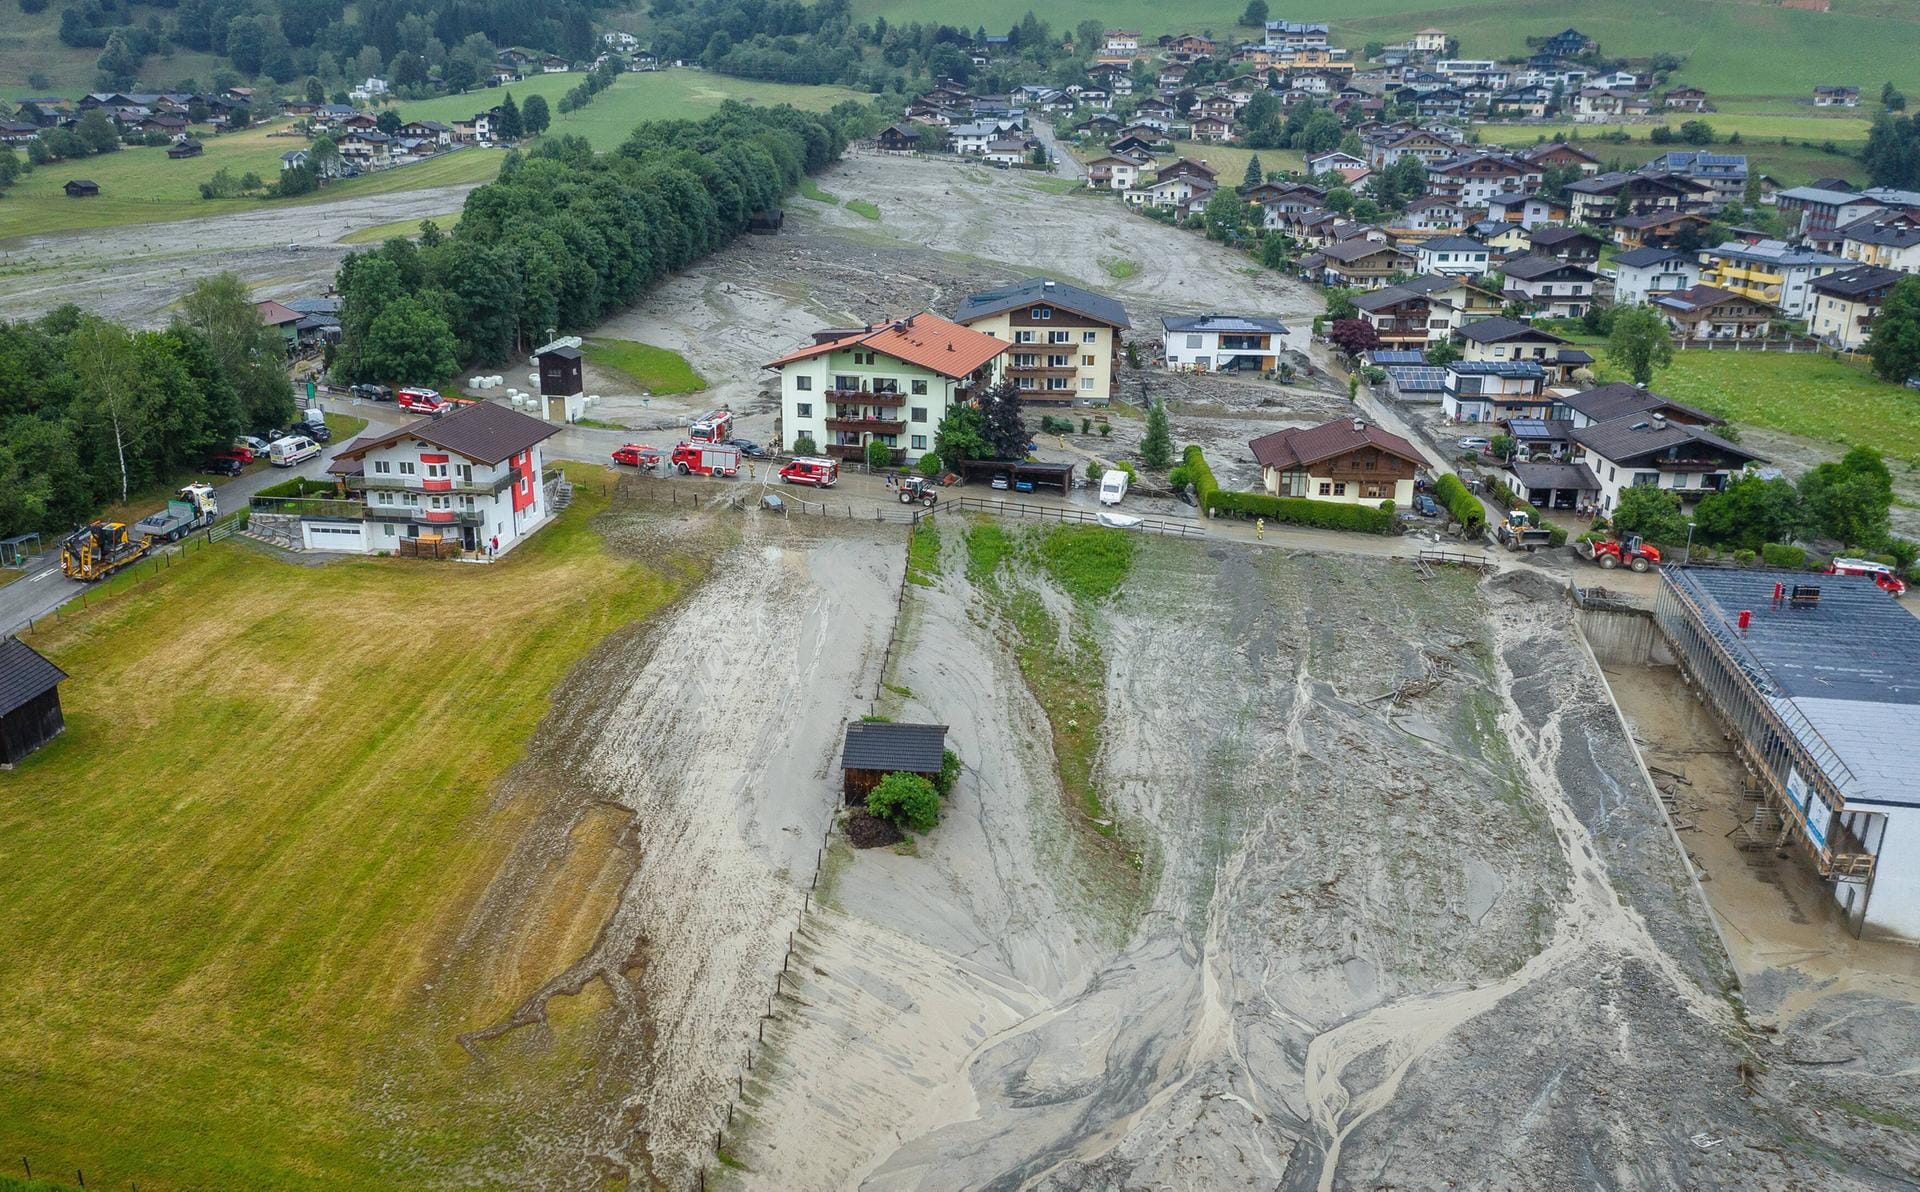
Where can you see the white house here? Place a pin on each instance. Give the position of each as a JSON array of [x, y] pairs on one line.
[[1641, 273], [1495, 390], [1651, 449], [624, 42], [889, 383], [1452, 256], [1113, 173], [1549, 285], [1215, 343], [473, 476]]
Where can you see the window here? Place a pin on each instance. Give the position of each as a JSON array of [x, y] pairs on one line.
[[1041, 312], [1645, 479], [1023, 337], [389, 529], [1339, 489], [383, 498], [803, 409], [1089, 337], [1193, 341], [1059, 337], [1326, 489], [917, 414], [438, 502], [1086, 362], [1059, 361], [1086, 382], [410, 498], [1056, 383], [803, 384], [919, 388], [435, 471], [406, 467], [918, 442], [466, 473], [382, 467]]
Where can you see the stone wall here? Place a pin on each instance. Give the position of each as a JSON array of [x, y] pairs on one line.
[[276, 529]]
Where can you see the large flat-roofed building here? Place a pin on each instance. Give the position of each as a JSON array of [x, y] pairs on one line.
[[1820, 688]]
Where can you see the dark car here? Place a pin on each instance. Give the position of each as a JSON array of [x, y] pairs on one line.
[[370, 392], [1423, 504], [319, 432], [222, 465], [748, 448]]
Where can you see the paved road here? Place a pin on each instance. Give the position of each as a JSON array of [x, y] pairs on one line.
[[44, 588], [1065, 164]]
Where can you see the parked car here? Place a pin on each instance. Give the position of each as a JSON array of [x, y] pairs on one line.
[[222, 465], [370, 392], [638, 455], [748, 448], [255, 446], [1424, 505], [1475, 443], [318, 431], [999, 480]]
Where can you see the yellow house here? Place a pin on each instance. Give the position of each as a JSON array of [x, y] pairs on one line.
[[1065, 339]]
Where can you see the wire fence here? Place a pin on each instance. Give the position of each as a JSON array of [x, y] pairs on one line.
[[146, 569]]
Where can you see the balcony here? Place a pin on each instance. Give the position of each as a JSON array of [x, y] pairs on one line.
[[857, 452], [866, 397], [1042, 370], [877, 426], [434, 517], [417, 484]]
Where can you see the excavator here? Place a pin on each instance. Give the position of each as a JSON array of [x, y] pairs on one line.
[[98, 549]]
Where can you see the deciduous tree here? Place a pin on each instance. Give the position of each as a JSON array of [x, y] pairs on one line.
[[1639, 343], [1894, 343]]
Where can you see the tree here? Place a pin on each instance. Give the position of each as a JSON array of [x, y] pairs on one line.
[[929, 465], [906, 801], [1443, 353], [1639, 343], [961, 436], [460, 74], [388, 121], [1253, 175], [1256, 14], [248, 352], [1894, 342], [1891, 98], [1156, 446], [534, 115], [879, 455], [118, 64], [1503, 446], [1749, 513], [316, 94], [1353, 336], [1224, 215], [1651, 512], [1340, 303], [511, 128], [108, 371], [1005, 427], [324, 153], [410, 341], [96, 133], [1697, 132], [1849, 499]]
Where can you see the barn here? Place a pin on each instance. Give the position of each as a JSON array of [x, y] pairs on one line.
[[30, 701], [876, 748]]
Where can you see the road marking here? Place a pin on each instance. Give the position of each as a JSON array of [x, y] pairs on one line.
[[43, 574]]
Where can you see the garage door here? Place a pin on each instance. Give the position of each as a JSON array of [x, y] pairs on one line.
[[349, 536]]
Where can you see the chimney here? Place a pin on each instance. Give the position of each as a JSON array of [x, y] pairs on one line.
[[1359, 425], [1659, 419], [1047, 285]]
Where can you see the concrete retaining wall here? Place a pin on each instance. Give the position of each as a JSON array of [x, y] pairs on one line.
[[277, 529], [1624, 638]]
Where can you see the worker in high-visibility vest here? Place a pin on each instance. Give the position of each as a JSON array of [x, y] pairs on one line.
[[1260, 528]]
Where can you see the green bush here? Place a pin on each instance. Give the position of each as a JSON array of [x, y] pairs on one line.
[[803, 444], [879, 455], [1743, 558], [949, 772], [1464, 507], [1780, 554], [1199, 474], [929, 465], [1556, 534], [906, 801], [1300, 511]]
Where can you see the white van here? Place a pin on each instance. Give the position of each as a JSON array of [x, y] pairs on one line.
[[1113, 486], [292, 450]]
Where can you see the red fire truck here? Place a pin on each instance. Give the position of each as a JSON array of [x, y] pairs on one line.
[[821, 473], [714, 426], [705, 459]]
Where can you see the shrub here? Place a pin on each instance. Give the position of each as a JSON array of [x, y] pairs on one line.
[[1781, 554], [803, 444], [1464, 507], [879, 455], [929, 465], [1743, 558], [949, 772], [906, 801], [1556, 535], [1300, 511], [1199, 474]]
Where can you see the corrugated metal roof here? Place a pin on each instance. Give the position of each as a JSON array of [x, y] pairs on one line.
[[24, 674], [881, 745]]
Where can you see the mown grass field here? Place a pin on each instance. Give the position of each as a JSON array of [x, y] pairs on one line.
[[1812, 395], [1734, 47], [30, 44], [410, 228], [233, 882], [633, 98], [657, 370]]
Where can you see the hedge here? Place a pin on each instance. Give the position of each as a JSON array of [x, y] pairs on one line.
[[1463, 505], [1780, 554], [1199, 474], [1300, 511]]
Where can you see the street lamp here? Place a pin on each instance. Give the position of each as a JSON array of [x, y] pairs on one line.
[[1689, 557]]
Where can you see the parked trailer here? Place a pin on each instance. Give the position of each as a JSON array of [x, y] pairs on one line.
[[98, 549], [193, 508]]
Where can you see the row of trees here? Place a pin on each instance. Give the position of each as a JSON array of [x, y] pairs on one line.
[[91, 411], [564, 237]]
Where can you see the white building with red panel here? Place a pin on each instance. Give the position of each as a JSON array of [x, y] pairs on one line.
[[472, 476]]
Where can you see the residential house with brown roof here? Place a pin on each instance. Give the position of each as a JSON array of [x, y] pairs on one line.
[[1653, 450], [1349, 460], [473, 478], [889, 383], [1549, 286], [1706, 312], [1361, 263], [1066, 340]]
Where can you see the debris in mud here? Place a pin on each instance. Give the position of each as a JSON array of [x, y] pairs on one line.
[[870, 831]]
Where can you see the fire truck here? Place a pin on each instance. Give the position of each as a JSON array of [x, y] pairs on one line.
[[705, 459], [714, 426]]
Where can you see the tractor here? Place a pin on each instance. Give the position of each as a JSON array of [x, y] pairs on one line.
[[1633, 552], [918, 488], [1517, 532]]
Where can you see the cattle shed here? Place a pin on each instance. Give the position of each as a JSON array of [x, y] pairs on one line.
[[29, 701], [877, 748]]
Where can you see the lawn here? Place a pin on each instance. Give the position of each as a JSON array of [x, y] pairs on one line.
[[633, 98], [811, 190], [863, 208], [233, 883], [1812, 395], [1733, 47], [1231, 160], [657, 370], [409, 228]]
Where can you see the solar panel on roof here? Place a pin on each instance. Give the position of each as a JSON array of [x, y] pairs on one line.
[[1384, 357], [1418, 378]]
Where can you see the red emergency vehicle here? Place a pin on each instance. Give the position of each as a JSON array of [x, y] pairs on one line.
[[706, 459], [714, 426], [637, 455], [421, 401], [1886, 577], [821, 473]]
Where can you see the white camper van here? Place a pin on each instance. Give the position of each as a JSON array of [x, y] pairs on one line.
[[1113, 486]]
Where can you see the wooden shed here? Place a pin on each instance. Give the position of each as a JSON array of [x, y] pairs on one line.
[[875, 749], [82, 188], [29, 701]]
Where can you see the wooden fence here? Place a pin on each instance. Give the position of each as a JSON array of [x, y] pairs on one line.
[[1066, 514]]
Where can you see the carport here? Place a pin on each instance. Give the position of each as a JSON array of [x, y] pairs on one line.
[[1554, 486], [1043, 475]]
